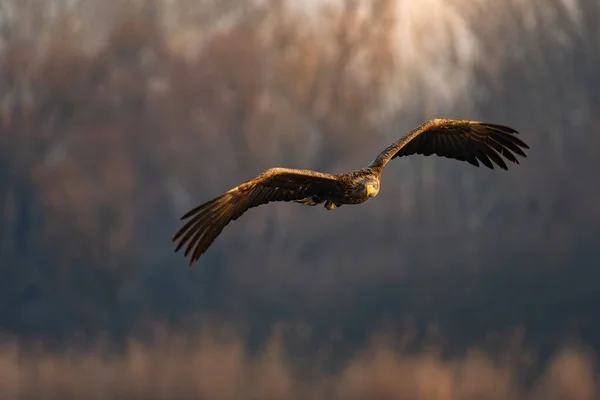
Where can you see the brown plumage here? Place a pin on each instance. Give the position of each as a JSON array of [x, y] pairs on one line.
[[462, 140]]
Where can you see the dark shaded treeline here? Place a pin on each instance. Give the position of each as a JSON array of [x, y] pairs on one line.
[[102, 153]]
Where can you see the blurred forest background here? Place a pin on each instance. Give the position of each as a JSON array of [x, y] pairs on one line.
[[456, 282]]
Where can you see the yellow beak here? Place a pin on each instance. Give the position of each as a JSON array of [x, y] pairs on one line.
[[370, 191]]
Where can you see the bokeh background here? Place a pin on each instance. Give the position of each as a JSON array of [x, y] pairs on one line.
[[456, 282]]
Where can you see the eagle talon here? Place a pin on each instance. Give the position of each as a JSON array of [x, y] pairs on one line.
[[329, 205]]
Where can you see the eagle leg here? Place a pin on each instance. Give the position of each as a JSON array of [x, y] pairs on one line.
[[330, 206], [310, 201]]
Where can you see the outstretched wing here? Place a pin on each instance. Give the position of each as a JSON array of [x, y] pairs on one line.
[[277, 184], [462, 140]]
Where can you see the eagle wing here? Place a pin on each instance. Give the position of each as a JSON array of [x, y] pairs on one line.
[[462, 140], [276, 184]]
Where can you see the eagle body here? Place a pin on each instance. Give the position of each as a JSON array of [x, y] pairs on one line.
[[463, 140], [354, 188]]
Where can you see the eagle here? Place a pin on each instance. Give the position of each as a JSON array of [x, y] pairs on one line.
[[463, 140]]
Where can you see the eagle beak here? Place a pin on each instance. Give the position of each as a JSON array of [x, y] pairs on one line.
[[371, 191]]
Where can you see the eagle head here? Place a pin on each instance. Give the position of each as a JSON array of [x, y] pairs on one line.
[[371, 188]]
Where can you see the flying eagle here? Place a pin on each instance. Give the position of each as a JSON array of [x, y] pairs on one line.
[[462, 140]]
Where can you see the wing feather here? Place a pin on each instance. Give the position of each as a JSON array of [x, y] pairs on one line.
[[502, 151], [208, 220], [493, 155], [511, 144], [462, 152], [462, 140]]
